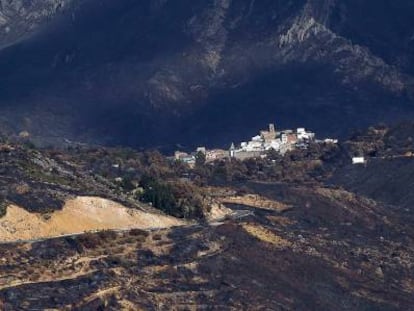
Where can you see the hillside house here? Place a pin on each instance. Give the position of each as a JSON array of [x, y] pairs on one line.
[[358, 160], [203, 150], [268, 136], [216, 154], [330, 141], [185, 158], [303, 135]]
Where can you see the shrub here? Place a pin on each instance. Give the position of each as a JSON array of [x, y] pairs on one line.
[[138, 232], [177, 198], [3, 208], [89, 240], [107, 235]]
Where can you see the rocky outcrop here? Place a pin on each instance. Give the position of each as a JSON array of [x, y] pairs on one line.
[[20, 18], [308, 40]]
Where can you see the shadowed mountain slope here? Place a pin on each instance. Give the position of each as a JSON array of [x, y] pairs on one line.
[[163, 72]]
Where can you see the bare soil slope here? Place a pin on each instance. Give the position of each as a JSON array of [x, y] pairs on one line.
[[78, 215]]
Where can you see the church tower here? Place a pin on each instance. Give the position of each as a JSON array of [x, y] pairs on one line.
[[232, 151]]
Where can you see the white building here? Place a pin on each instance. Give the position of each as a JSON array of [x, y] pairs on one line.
[[358, 160], [284, 139], [302, 134], [202, 150], [254, 145], [274, 144], [257, 138], [330, 141]]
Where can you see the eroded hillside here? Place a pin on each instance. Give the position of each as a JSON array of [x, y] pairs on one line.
[[80, 215], [332, 251]]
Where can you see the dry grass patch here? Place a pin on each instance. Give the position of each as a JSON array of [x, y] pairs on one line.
[[267, 236], [281, 220], [256, 201]]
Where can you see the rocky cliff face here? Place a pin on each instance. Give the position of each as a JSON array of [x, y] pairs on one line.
[[19, 18], [203, 71]]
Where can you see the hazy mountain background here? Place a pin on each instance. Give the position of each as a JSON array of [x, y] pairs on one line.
[[162, 72]]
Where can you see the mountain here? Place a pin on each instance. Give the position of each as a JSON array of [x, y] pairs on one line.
[[159, 72]]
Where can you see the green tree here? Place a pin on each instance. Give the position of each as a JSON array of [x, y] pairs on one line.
[[200, 159]]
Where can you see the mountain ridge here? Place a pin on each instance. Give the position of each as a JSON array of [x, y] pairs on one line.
[[153, 70]]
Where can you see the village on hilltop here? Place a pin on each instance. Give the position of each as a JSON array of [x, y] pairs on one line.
[[271, 139]]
